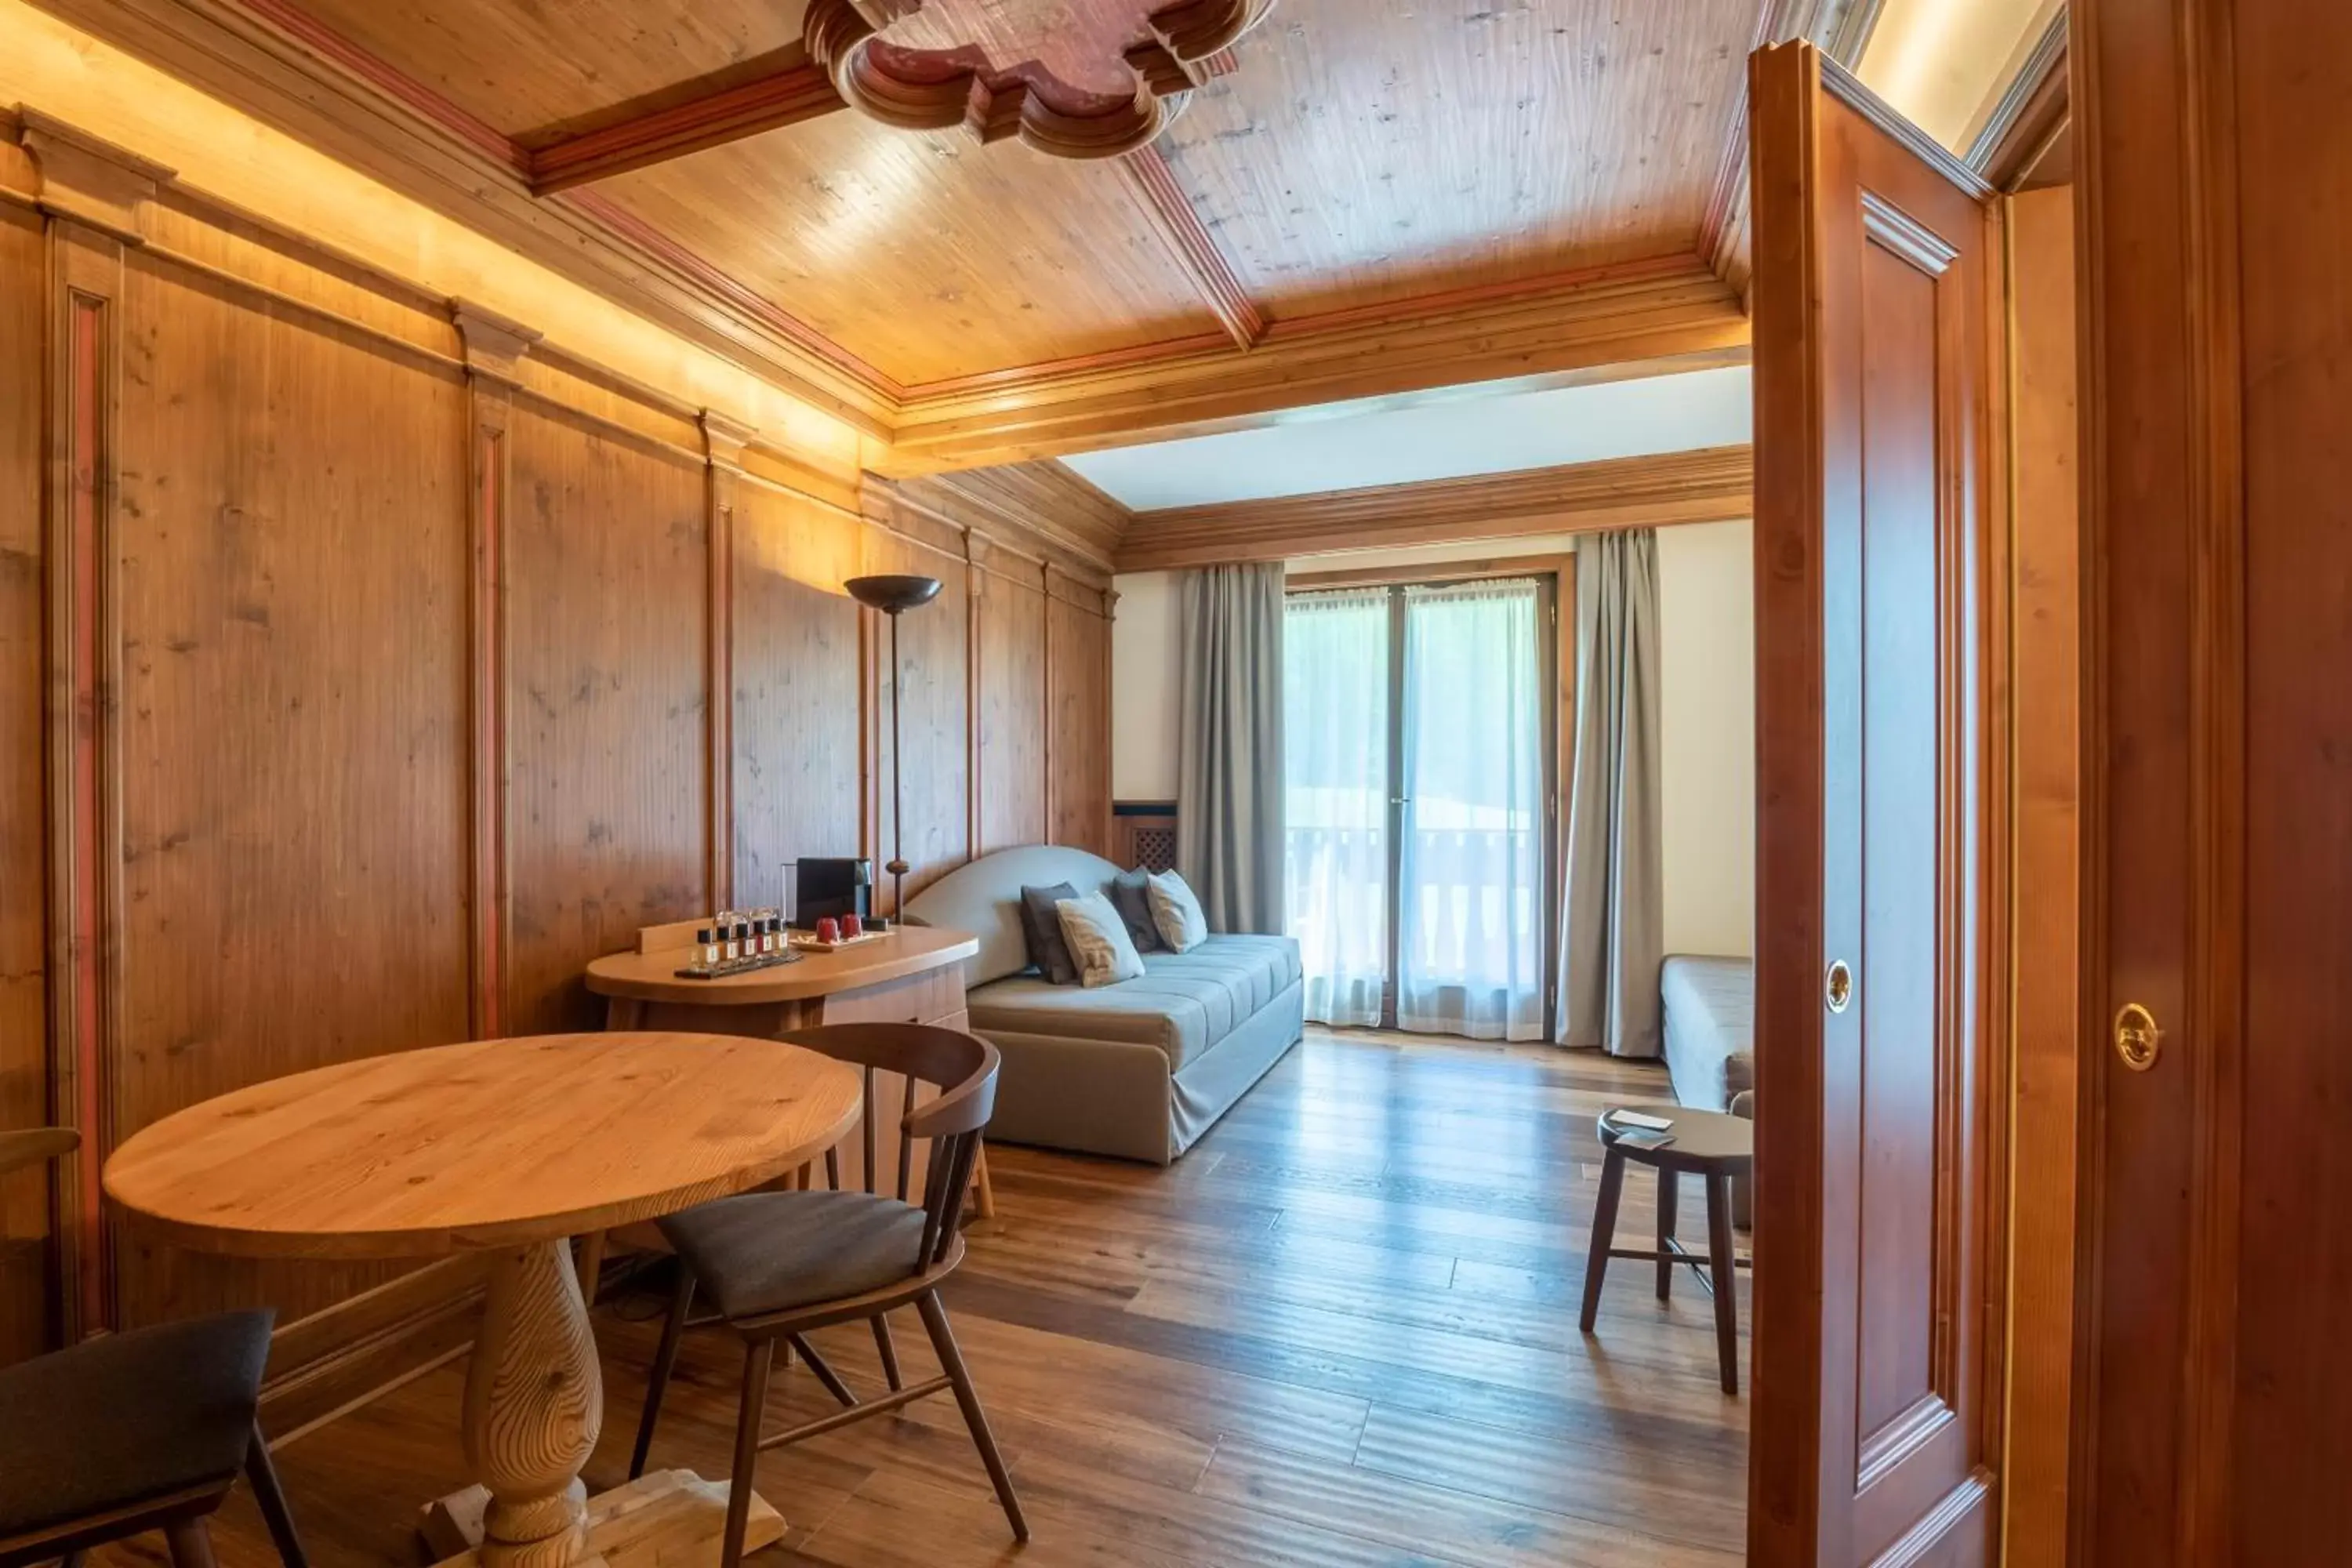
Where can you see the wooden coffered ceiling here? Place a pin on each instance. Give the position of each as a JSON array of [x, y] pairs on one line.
[[1374, 197]]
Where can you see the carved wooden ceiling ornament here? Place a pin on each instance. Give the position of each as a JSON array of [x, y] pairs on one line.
[[1076, 78]]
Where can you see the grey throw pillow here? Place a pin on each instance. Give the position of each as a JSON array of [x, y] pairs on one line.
[[1041, 923], [1099, 941], [1130, 895]]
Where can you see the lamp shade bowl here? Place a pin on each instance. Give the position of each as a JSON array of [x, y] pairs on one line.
[[891, 593]]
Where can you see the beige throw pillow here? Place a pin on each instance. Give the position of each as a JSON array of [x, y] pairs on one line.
[[1177, 912], [1099, 941]]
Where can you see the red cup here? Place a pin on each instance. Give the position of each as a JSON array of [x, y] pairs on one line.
[[851, 926], [828, 930]]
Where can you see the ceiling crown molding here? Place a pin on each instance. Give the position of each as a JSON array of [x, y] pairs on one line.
[[1043, 502], [272, 59], [1596, 324], [1711, 484]]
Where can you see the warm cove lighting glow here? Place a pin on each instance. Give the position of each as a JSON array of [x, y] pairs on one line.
[[1940, 62], [49, 66]]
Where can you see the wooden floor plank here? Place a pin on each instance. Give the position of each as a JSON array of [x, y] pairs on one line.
[[1342, 1332]]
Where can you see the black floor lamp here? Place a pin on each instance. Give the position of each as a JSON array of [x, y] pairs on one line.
[[893, 596]]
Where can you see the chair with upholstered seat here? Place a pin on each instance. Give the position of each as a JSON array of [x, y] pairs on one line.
[[132, 1432], [783, 1264]]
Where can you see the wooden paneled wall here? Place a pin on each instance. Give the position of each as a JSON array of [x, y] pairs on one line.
[[1007, 682], [367, 667]]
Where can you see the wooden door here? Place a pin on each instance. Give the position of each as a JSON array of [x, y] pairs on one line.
[[2216, 175], [1878, 1209]]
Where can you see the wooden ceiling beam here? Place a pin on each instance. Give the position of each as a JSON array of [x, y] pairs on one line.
[[1601, 324], [798, 92], [1712, 484], [1190, 242]]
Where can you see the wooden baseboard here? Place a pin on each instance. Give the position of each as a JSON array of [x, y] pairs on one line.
[[333, 1361]]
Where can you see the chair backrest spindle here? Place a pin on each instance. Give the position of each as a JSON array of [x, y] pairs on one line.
[[906, 1139], [965, 1149], [867, 1127]]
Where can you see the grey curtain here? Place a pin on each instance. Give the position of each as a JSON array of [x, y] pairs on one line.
[[1612, 934], [1229, 745]]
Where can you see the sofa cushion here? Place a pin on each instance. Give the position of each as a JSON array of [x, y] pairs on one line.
[[1099, 941], [984, 899], [1177, 913], [1041, 923], [1184, 1003], [1132, 892]]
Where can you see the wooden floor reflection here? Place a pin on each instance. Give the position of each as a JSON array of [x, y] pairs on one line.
[[1341, 1332]]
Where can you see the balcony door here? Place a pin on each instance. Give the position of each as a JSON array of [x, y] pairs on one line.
[[1421, 736]]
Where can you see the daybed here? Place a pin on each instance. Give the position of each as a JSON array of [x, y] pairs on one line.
[[1710, 1005], [1138, 1070]]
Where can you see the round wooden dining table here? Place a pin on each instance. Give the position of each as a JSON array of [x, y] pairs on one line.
[[509, 1148]]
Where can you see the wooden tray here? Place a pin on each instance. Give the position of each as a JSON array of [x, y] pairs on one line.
[[806, 942]]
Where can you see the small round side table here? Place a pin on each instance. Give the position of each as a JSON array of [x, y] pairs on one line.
[[1707, 1145]]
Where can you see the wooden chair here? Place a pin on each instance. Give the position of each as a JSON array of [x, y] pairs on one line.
[[132, 1432], [781, 1264]]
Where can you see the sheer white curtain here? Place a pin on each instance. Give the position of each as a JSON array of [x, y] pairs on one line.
[[1471, 958], [1334, 700]]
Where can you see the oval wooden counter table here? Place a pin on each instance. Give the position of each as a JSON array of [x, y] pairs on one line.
[[508, 1147], [913, 974]]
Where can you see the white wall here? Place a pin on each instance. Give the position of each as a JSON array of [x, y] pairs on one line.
[[1707, 722], [1143, 687], [1706, 735]]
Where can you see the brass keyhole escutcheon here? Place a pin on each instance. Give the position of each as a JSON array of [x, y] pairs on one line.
[[1839, 987], [2137, 1039]]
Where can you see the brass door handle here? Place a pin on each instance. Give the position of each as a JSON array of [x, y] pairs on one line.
[[1837, 986], [2139, 1040]]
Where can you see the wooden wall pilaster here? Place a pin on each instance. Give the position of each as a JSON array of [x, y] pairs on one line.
[[976, 550], [93, 195], [723, 441], [351, 661], [494, 348]]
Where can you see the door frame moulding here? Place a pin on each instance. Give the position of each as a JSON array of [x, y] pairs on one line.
[[2029, 113], [1843, 30], [1824, 1479], [270, 60]]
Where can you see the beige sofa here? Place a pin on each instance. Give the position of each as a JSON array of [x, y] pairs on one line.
[[1139, 1070]]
